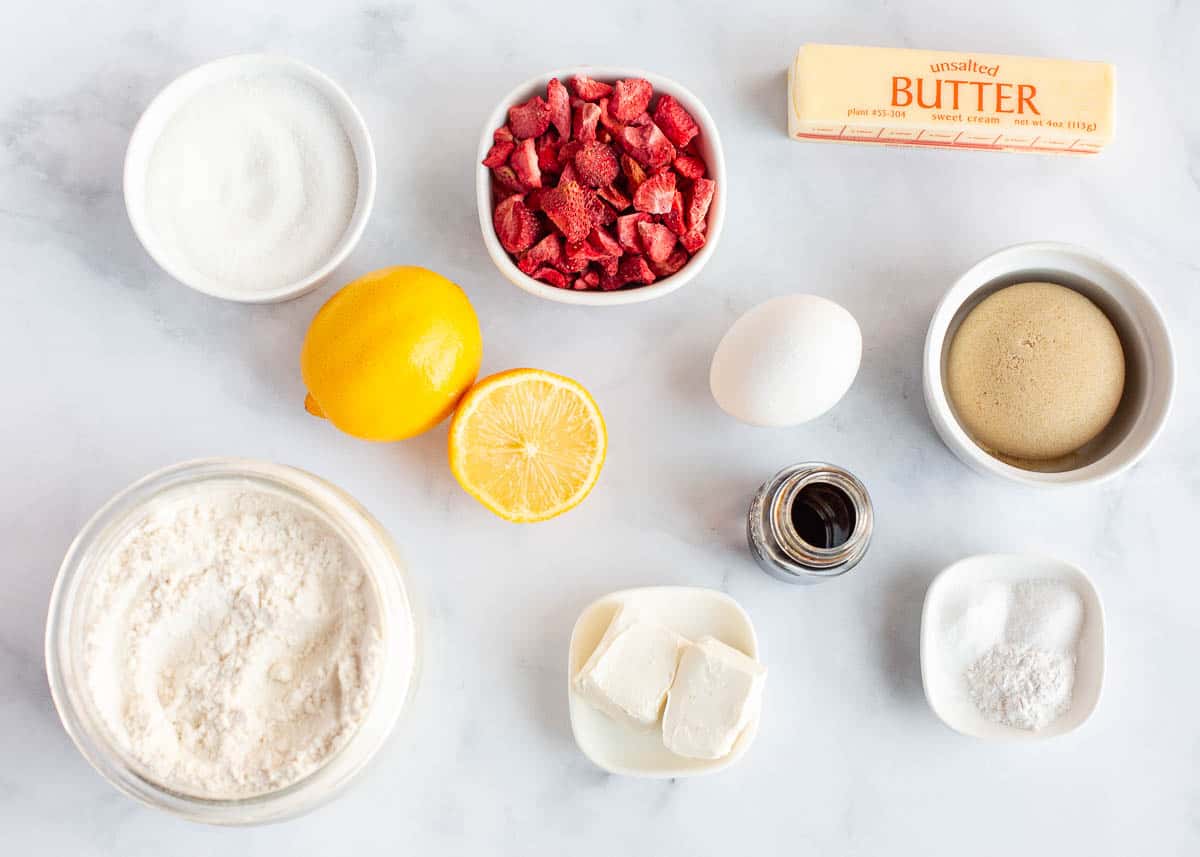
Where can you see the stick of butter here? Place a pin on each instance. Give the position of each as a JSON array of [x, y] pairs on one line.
[[951, 100]]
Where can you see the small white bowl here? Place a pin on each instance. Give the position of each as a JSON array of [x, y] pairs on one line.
[[710, 147], [943, 681], [175, 95], [1149, 360], [687, 610]]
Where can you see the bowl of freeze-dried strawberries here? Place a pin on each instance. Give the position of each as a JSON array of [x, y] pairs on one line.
[[600, 186]]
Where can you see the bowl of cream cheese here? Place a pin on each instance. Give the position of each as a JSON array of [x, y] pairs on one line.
[[250, 178], [231, 640]]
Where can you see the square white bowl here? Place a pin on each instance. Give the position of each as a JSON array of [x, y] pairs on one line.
[[710, 148], [687, 610], [943, 684]]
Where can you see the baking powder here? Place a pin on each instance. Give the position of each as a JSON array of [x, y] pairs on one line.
[[232, 642]]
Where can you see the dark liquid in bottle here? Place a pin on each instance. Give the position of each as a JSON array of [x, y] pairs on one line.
[[823, 515]]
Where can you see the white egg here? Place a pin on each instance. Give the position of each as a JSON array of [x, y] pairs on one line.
[[786, 361]]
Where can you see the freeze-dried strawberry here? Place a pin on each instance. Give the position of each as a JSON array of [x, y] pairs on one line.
[[693, 240], [567, 207], [604, 136], [524, 161], [609, 121], [568, 150], [497, 156], [655, 194], [657, 240], [560, 107], [614, 197], [596, 164], [676, 123], [568, 169], [673, 219], [599, 211], [627, 231], [507, 177], [533, 199], [648, 144], [503, 134], [634, 171], [609, 265], [548, 251], [603, 240], [552, 276], [587, 115], [630, 98], [671, 264], [547, 153], [516, 226], [591, 278], [635, 269], [588, 89], [699, 200], [577, 256], [689, 167], [530, 119]]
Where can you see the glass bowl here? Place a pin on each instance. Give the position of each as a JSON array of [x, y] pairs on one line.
[[362, 535]]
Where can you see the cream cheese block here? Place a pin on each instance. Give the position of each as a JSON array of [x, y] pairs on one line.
[[717, 692], [631, 669]]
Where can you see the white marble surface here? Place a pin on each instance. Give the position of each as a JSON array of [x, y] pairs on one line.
[[111, 370]]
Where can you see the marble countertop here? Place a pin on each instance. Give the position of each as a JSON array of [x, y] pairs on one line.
[[113, 370]]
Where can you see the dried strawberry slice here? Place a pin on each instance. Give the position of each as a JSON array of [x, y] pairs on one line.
[[533, 199], [588, 89], [525, 162], [630, 98], [599, 211], [627, 231], [699, 200], [516, 226], [634, 171], [507, 177], [587, 116], [530, 119], [548, 251], [689, 167], [635, 270], [613, 196], [673, 219], [590, 279], [672, 263], [692, 241], [569, 173], [503, 134], [655, 194], [676, 123], [547, 153], [603, 240], [648, 144], [497, 156], [560, 107], [658, 240], [567, 207], [608, 120], [553, 276], [597, 165]]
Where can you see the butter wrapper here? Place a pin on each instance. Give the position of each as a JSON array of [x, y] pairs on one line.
[[946, 99]]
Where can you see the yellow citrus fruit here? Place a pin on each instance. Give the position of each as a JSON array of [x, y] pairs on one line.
[[527, 444], [390, 355]]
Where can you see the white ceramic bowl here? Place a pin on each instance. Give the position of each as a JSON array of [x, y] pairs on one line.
[[688, 610], [175, 95], [710, 148], [1149, 360], [944, 686]]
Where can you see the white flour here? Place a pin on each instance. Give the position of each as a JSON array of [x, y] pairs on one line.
[[1022, 686], [232, 642]]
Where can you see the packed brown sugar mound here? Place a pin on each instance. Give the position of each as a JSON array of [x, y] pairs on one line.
[[1035, 371]]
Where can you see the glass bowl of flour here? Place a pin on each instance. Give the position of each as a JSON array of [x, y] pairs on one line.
[[231, 640]]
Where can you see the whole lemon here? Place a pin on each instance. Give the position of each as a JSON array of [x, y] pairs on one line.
[[390, 355]]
